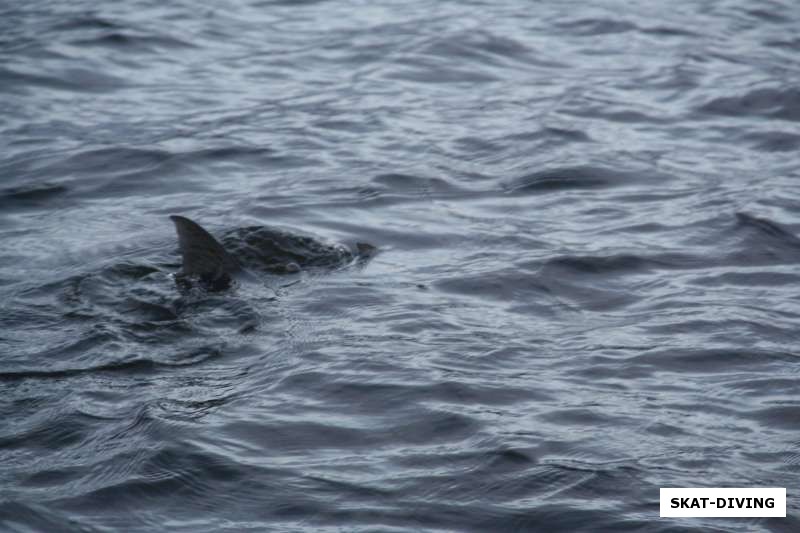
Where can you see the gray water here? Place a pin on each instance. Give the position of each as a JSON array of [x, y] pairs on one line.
[[586, 284]]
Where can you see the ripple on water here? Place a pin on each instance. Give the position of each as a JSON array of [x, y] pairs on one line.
[[768, 102], [586, 285]]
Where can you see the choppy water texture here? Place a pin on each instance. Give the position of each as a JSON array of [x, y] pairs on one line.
[[587, 283]]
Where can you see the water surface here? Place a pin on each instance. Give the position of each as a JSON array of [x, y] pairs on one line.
[[586, 285]]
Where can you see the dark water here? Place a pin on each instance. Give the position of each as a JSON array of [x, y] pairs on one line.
[[587, 285]]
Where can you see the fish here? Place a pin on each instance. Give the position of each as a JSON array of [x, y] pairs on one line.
[[214, 264]]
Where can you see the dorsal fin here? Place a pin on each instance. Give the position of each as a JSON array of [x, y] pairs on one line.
[[202, 254]]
